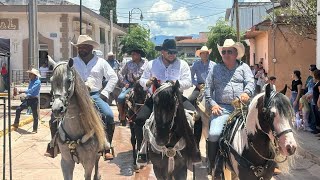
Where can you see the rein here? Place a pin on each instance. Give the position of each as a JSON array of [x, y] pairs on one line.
[[64, 136], [241, 122]]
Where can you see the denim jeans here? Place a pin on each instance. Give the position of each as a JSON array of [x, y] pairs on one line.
[[103, 108], [292, 99], [217, 122], [122, 96], [33, 103]]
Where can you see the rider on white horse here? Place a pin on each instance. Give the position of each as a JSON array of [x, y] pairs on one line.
[[225, 82], [166, 67]]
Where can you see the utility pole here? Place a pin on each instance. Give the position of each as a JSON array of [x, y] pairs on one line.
[[236, 4], [80, 17], [33, 59], [111, 30]]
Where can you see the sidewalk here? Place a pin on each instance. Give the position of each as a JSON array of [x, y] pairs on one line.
[[308, 145]]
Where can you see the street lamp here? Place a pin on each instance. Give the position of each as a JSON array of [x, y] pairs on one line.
[[130, 15]]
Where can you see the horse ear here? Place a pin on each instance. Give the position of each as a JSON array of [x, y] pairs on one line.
[[284, 90], [70, 63], [268, 92], [176, 85], [51, 61]]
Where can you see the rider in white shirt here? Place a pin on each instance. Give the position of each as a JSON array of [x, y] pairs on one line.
[[167, 67], [92, 69]]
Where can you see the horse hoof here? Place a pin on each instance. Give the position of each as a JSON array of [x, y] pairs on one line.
[[97, 178]]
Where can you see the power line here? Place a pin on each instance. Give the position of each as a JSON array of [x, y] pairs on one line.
[[189, 19]]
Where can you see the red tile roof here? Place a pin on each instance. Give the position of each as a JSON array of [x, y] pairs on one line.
[[186, 41]]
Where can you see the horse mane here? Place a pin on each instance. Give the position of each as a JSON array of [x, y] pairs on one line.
[[89, 117], [281, 103]]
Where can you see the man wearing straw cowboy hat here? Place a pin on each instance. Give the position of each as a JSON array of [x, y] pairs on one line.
[[224, 91], [92, 70], [32, 95], [200, 69]]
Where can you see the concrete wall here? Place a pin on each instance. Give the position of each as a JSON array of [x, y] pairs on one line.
[[293, 52], [262, 49]]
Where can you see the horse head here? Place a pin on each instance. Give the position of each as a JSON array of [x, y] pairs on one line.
[[275, 116], [62, 87], [166, 100]]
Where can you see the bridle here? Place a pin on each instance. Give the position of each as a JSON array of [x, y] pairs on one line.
[[70, 91], [161, 88]]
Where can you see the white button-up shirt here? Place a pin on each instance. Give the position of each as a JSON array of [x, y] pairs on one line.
[[178, 70], [93, 73]]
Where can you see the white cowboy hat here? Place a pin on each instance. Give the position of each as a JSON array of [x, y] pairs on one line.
[[203, 49], [35, 72], [110, 53], [85, 39], [230, 43]]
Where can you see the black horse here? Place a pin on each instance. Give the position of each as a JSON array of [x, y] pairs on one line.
[[134, 102], [171, 144]]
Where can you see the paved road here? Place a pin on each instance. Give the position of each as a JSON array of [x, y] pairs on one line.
[[30, 164]]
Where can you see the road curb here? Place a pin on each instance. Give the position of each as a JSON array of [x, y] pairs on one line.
[[22, 122], [309, 155]]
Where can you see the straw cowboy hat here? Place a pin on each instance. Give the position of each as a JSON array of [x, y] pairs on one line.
[[110, 53], [35, 72], [85, 39], [230, 43], [203, 49]]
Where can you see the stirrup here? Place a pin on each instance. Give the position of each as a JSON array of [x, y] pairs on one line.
[[141, 159]]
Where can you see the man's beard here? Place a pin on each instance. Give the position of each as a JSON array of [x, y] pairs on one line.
[[83, 54]]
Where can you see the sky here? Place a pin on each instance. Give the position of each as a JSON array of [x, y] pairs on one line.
[[170, 17]]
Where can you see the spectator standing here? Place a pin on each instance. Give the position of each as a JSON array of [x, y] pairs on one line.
[[4, 74], [296, 87]]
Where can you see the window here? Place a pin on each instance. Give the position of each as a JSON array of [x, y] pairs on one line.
[[102, 36]]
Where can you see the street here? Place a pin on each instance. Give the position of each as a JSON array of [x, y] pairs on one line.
[[30, 164]]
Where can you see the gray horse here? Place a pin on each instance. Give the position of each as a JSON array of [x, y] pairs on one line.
[[81, 134]]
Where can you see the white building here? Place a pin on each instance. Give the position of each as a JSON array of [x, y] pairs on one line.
[[58, 25]]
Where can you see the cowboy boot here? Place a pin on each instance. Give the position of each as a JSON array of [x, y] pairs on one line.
[[110, 130], [197, 131], [213, 149]]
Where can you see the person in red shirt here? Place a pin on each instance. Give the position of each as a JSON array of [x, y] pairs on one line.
[[4, 74]]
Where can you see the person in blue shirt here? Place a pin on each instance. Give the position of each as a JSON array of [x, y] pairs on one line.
[[32, 95]]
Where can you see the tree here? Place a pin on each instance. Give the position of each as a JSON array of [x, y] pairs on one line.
[[218, 33], [106, 6], [301, 15], [138, 38]]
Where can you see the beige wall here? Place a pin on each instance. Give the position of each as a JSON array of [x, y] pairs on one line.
[[292, 53], [262, 49]]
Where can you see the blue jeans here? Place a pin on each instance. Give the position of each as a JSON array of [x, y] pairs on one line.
[[292, 99], [217, 123], [103, 108], [122, 96]]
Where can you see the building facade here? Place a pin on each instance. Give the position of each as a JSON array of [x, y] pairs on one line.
[[58, 26]]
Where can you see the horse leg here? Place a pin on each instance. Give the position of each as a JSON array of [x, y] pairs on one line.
[[133, 142], [159, 172], [181, 173], [67, 168], [97, 175], [88, 167]]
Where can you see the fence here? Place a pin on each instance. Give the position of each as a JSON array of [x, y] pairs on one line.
[[22, 77]]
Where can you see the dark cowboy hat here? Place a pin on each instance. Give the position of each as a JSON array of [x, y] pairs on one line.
[[168, 44], [139, 51]]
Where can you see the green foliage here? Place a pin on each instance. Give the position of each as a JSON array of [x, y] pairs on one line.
[[138, 38], [218, 33], [302, 17], [106, 6]]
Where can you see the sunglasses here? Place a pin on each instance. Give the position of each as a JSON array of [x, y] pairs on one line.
[[223, 52], [172, 52]]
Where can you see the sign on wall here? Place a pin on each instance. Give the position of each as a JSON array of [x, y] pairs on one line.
[[9, 24]]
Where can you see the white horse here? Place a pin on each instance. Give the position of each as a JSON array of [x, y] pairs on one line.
[[81, 134]]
